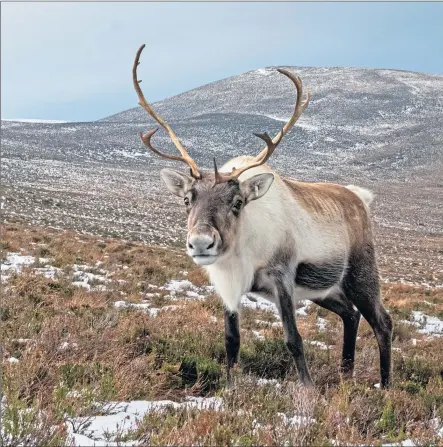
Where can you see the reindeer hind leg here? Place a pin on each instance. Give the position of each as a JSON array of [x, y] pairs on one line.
[[341, 306], [361, 286]]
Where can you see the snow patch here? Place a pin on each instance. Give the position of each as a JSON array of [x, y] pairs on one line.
[[123, 417], [86, 279], [302, 310], [184, 286], [254, 301], [268, 323], [297, 420], [146, 307], [275, 118], [258, 335], [66, 346], [321, 324], [264, 72], [15, 261], [428, 325], [405, 443], [48, 271], [320, 345], [125, 305]]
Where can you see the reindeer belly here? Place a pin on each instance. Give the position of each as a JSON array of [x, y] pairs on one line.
[[318, 280], [319, 276]]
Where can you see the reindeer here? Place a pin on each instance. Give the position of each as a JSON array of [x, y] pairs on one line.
[[256, 232]]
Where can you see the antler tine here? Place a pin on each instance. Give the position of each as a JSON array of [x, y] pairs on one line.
[[263, 157], [300, 106], [146, 139], [219, 178], [236, 172], [271, 144], [186, 158]]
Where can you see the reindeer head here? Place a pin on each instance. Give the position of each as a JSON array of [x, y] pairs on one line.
[[214, 209], [215, 201]]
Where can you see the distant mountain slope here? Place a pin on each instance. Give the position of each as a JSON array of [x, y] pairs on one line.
[[362, 120], [339, 95], [386, 116], [379, 128]]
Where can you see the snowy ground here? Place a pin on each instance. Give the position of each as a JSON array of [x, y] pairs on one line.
[[428, 325], [122, 417]]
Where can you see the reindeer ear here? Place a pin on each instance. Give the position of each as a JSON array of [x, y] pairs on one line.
[[257, 186], [177, 182]]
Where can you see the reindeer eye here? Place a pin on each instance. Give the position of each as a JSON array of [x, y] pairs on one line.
[[186, 200], [238, 204]]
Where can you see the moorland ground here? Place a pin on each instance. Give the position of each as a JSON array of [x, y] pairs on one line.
[[87, 321]]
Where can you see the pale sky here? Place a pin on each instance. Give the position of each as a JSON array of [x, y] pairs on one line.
[[72, 61]]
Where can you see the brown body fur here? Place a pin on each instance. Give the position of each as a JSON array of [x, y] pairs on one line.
[[330, 202]]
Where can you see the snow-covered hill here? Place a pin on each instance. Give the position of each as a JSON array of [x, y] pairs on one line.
[[379, 128], [392, 118]]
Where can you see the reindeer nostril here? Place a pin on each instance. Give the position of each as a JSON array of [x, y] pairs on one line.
[[190, 246], [210, 245]]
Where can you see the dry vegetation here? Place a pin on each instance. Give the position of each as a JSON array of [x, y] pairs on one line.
[[77, 351]]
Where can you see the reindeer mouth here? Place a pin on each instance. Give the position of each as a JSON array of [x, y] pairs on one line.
[[204, 259]]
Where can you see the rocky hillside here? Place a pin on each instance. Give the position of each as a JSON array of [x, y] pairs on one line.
[[375, 118]]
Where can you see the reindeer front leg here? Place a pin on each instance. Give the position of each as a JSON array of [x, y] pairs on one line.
[[232, 341], [293, 339], [275, 284]]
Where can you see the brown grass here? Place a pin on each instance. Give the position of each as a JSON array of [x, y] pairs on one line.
[[76, 340]]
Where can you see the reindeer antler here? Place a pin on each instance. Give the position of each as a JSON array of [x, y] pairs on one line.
[[259, 160], [271, 144], [146, 138]]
